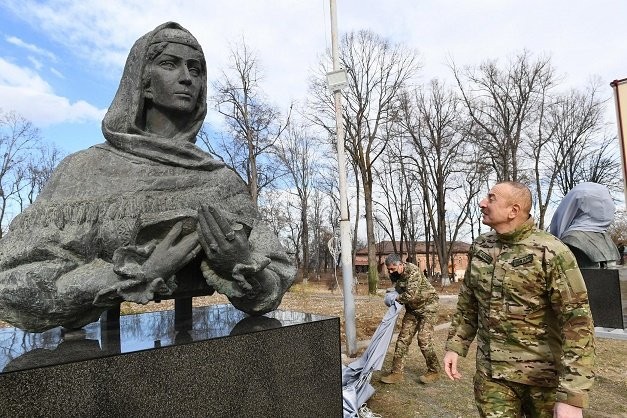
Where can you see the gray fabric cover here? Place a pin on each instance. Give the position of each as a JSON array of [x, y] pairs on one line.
[[581, 221], [587, 207], [356, 387]]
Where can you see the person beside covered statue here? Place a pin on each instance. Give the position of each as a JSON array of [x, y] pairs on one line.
[[143, 214], [524, 299]]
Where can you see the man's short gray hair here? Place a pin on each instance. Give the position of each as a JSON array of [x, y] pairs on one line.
[[392, 260]]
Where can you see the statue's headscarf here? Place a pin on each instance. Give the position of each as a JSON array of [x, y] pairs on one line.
[[122, 125], [587, 207]]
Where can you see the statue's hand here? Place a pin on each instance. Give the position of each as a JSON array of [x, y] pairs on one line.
[[225, 245], [171, 254]]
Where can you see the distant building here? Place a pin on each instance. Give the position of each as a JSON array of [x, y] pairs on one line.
[[456, 266]]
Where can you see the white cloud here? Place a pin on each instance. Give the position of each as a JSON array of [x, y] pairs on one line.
[[25, 92], [290, 35], [57, 73], [30, 47], [36, 63], [287, 34], [12, 75]]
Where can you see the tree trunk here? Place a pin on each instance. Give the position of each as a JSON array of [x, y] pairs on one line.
[[373, 274], [357, 211], [305, 239], [441, 247]]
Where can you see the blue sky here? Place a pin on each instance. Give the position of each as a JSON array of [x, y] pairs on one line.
[[60, 61]]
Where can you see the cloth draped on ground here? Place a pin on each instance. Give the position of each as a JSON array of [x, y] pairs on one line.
[[356, 387]]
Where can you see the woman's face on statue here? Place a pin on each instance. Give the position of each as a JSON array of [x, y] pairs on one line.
[[175, 79]]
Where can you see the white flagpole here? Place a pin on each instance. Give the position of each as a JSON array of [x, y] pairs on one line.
[[345, 240]]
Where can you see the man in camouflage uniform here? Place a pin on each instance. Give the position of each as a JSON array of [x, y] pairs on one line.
[[421, 308], [524, 298]]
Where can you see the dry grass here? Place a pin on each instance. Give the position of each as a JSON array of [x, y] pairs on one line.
[[608, 397]]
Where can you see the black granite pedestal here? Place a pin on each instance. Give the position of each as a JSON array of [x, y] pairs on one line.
[[225, 364], [604, 294]]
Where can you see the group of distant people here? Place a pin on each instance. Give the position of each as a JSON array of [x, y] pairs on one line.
[[524, 300]]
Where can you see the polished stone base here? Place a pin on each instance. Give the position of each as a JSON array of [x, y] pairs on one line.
[[285, 364], [604, 294]]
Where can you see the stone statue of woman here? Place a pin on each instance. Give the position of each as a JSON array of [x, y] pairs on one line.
[[143, 214]]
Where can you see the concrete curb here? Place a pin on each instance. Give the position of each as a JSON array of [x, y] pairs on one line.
[[611, 333]]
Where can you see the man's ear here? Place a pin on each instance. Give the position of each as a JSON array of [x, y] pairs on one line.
[[514, 211]]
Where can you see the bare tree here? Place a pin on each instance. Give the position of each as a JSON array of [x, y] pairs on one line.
[[411, 227], [394, 205], [477, 180], [598, 163], [295, 231], [504, 103], [321, 232], [297, 152], [272, 210], [433, 119], [19, 139], [39, 167], [377, 71], [277, 210], [389, 205], [328, 183], [207, 141], [253, 124], [618, 228], [602, 164], [565, 139]]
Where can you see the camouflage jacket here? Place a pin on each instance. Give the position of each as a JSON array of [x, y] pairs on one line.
[[524, 298], [415, 291]]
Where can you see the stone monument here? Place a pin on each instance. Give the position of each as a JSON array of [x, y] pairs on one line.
[[145, 215], [581, 221]]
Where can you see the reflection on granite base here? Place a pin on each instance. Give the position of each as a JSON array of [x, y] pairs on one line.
[[225, 364]]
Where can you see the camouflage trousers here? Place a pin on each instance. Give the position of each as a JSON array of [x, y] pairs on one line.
[[421, 325], [500, 398]]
